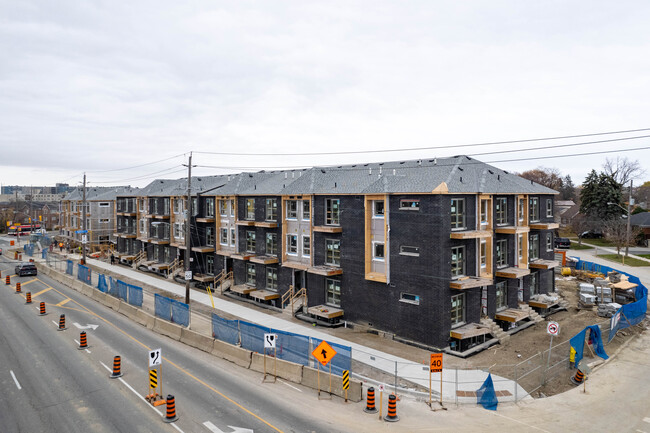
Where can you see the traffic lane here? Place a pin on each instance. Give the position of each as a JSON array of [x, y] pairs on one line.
[[61, 386], [202, 384]]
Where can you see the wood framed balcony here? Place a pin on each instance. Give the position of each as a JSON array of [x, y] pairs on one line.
[[328, 229], [204, 249], [159, 217], [512, 230], [325, 312], [242, 289], [266, 224], [512, 272], [470, 234], [159, 241], [376, 276], [296, 265], [245, 223], [326, 271], [206, 220], [264, 260], [242, 256], [225, 253], [465, 283], [544, 226], [543, 264], [263, 295], [512, 315], [469, 330], [204, 278]]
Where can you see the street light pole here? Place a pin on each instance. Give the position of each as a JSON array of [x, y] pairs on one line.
[[188, 230], [629, 224], [83, 224]]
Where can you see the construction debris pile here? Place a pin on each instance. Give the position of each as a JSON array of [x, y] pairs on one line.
[[607, 293]]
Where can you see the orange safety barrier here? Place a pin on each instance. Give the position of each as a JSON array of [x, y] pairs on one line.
[[8, 280], [370, 401], [18, 289], [83, 342], [117, 367], [42, 309], [28, 298], [62, 323], [391, 416], [578, 378], [171, 409]]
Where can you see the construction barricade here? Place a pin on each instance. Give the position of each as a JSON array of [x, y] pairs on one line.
[[69, 268], [101, 283], [162, 307], [225, 330], [84, 274], [180, 313]]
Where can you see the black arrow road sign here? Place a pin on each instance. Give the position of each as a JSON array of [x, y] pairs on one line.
[[324, 353]]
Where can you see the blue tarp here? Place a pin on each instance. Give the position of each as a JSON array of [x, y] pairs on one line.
[[225, 330], [44, 254], [577, 344], [113, 290], [292, 347], [84, 274], [135, 295], [101, 283], [122, 290], [163, 307], [180, 313], [252, 336], [485, 396], [69, 270]]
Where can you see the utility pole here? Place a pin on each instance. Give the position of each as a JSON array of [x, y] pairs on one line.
[[188, 231], [83, 226], [629, 224]]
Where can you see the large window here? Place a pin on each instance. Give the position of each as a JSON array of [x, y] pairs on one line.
[[306, 210], [533, 247], [549, 241], [209, 207], [457, 261], [292, 209], [377, 208], [502, 296], [457, 213], [534, 284], [271, 209], [378, 252], [520, 247], [209, 236], [231, 203], [271, 244], [179, 230], [520, 209], [501, 210], [223, 207], [332, 212], [333, 252], [549, 208], [272, 279], [250, 274], [502, 253], [233, 237], [250, 241], [292, 244], [333, 295], [250, 208], [306, 246], [534, 209], [209, 265], [483, 254], [457, 310], [485, 209], [223, 236]]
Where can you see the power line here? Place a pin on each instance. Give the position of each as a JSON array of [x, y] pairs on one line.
[[170, 170], [138, 166], [424, 148]]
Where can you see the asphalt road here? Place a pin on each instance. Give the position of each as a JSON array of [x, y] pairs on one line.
[[60, 388]]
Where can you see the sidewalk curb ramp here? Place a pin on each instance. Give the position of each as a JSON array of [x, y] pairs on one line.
[[285, 369], [196, 340], [310, 380], [168, 329], [237, 355]]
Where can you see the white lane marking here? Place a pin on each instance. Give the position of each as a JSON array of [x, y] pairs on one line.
[[55, 324], [640, 431], [646, 419], [15, 380], [141, 397], [213, 428], [520, 422], [78, 344], [290, 386], [88, 351]]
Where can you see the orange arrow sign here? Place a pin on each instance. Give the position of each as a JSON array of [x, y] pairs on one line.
[[324, 353]]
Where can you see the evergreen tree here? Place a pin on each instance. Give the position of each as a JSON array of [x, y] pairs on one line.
[[597, 191], [568, 189]]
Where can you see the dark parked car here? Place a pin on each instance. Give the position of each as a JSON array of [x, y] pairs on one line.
[[591, 234], [562, 243], [25, 269]]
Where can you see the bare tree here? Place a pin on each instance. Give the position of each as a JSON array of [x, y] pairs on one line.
[[622, 170], [580, 224], [549, 177], [616, 232]]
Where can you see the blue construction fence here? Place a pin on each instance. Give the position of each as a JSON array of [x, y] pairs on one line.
[[84, 274], [172, 310], [69, 267], [119, 289], [629, 314], [29, 249], [289, 346]]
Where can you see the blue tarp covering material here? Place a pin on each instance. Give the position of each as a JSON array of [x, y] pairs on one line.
[[577, 344], [135, 295], [629, 314], [225, 330], [44, 254], [252, 336], [292, 347], [113, 289], [485, 396], [101, 283], [122, 290], [163, 307], [84, 274], [29, 249], [69, 270], [180, 313]]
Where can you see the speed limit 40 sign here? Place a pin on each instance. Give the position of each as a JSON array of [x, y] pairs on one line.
[[553, 328], [435, 364]]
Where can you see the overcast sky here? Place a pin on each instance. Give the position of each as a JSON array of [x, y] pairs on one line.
[[106, 85]]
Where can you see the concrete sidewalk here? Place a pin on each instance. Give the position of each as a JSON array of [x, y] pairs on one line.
[[453, 380]]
